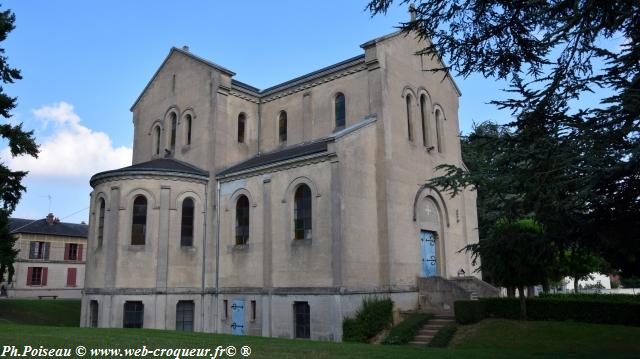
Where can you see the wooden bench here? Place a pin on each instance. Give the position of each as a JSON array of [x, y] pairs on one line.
[[48, 296]]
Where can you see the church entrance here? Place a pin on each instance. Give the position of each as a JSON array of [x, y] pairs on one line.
[[429, 253]]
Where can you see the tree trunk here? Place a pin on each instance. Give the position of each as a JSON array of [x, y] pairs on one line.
[[2, 269], [531, 291], [575, 285], [10, 273], [523, 303], [511, 292], [545, 286]]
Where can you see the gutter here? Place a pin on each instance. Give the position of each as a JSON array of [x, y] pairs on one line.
[[217, 290], [204, 251]]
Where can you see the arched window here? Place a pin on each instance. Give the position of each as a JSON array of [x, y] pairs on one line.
[[302, 213], [186, 226], [174, 126], [242, 220], [424, 119], [439, 130], [340, 110], [282, 126], [242, 119], [409, 120], [156, 140], [188, 120], [139, 220], [101, 209]]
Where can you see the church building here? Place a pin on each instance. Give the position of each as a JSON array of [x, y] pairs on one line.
[[275, 212]]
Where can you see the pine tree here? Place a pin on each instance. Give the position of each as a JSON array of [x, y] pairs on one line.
[[20, 143], [576, 169]]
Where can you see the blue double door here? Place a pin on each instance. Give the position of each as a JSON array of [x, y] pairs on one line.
[[429, 253], [237, 317]]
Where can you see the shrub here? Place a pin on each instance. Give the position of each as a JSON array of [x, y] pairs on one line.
[[375, 315], [352, 331], [443, 337], [592, 310], [407, 329], [594, 297], [469, 311]]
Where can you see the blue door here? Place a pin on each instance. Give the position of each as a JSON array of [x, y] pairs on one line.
[[237, 317], [428, 250]]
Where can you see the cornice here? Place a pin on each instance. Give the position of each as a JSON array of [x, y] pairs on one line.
[[131, 175]]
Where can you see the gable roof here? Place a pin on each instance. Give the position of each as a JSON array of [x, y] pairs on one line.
[[173, 50], [158, 165], [40, 226]]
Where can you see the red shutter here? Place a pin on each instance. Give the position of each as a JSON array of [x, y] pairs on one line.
[[71, 277], [66, 251], [29, 275], [79, 256], [44, 275]]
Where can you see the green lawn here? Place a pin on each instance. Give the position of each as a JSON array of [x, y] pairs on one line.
[[487, 339], [501, 339], [59, 312], [548, 337]]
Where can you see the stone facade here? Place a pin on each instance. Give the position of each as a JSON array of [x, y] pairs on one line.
[[261, 260]]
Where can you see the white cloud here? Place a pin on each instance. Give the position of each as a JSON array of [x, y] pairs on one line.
[[73, 151]]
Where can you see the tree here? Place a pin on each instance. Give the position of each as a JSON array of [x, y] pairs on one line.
[[586, 159], [515, 253], [7, 251], [20, 143]]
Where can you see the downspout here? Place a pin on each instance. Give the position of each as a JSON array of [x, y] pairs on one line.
[[217, 256], [204, 251], [259, 122]]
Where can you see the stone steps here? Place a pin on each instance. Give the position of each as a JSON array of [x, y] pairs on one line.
[[429, 330]]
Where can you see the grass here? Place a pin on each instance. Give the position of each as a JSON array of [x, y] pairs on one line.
[[549, 337], [443, 336], [56, 337], [487, 339], [406, 330], [59, 312]]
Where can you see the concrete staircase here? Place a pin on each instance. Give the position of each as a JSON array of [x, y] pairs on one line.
[[437, 295], [430, 329]]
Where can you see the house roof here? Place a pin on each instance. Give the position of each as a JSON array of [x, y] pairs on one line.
[[40, 226], [159, 165]]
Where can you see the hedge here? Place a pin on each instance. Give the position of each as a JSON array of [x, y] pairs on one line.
[[407, 329], [595, 297], [375, 315], [550, 308], [443, 337]]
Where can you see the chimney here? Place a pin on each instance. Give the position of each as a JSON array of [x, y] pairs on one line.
[[412, 12], [50, 219], [185, 48]]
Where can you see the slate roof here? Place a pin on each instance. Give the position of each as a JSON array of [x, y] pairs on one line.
[[294, 151], [40, 226], [157, 165], [287, 153]]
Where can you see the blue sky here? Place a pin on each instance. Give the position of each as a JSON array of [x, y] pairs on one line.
[[85, 62]]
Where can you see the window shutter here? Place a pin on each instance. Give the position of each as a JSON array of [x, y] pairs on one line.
[[71, 277], [66, 251], [44, 275], [32, 250], [79, 255], [46, 250], [29, 275]]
